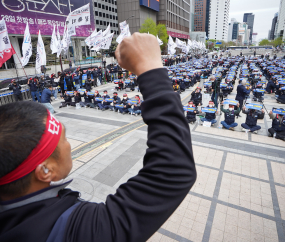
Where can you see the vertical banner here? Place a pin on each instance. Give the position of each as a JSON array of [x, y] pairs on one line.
[[26, 47], [6, 49], [41, 54]]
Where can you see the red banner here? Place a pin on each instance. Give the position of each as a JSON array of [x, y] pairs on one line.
[[178, 35]]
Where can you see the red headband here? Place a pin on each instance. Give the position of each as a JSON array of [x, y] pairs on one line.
[[43, 150]]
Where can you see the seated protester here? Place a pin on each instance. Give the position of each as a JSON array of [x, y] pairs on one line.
[[281, 94], [271, 85], [77, 98], [116, 101], [257, 96], [125, 103], [87, 101], [250, 124], [191, 115], [228, 89], [94, 98], [137, 107], [69, 82], [196, 97], [88, 84], [210, 117], [104, 105], [176, 87], [120, 85], [67, 100], [278, 126], [230, 113], [182, 86]]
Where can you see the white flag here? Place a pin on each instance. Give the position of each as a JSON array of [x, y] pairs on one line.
[[26, 47], [171, 46], [53, 42], [88, 39], [95, 38], [41, 54], [107, 31], [159, 41], [103, 43], [78, 17], [125, 32], [58, 43], [65, 40]]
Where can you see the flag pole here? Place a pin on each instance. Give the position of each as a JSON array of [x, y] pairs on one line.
[[20, 63]]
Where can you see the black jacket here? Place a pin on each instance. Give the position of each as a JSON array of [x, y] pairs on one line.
[[140, 206], [16, 88]]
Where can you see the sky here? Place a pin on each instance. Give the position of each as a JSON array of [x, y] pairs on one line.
[[263, 10]]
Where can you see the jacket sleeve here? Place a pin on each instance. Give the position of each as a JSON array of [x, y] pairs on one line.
[[146, 201]]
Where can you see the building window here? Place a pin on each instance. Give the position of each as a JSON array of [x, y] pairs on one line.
[[103, 6], [95, 4], [100, 14], [96, 13], [99, 5], [97, 21], [104, 15]]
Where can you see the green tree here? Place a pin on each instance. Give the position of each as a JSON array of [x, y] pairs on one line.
[[277, 41], [162, 34], [148, 26], [231, 43], [264, 42]]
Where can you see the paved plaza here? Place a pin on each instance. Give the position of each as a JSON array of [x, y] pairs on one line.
[[239, 194]]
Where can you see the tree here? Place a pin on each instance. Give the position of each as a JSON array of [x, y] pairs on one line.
[[264, 42], [231, 43], [162, 34], [148, 26], [277, 42]]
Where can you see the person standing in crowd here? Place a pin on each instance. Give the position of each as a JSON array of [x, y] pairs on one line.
[[278, 126], [61, 82], [34, 88], [69, 82], [230, 113], [76, 81], [242, 93], [100, 75], [54, 82], [196, 97], [16, 87], [46, 98]]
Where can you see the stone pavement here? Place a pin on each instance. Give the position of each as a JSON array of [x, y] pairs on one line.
[[239, 194]]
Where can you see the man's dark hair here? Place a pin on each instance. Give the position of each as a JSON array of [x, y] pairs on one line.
[[48, 85], [21, 128]]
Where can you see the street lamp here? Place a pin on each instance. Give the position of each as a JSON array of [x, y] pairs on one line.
[[130, 17]]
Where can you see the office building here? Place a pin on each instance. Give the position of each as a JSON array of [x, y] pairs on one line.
[[249, 19], [192, 16], [243, 34], [273, 26], [233, 30], [175, 15], [280, 26], [105, 13], [218, 20], [201, 18]]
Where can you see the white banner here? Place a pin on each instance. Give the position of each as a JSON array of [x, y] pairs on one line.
[[58, 43], [125, 32], [88, 39], [103, 43], [41, 54], [78, 17], [95, 38], [159, 41], [53, 41], [65, 40], [26, 46], [71, 30], [171, 46], [107, 31]]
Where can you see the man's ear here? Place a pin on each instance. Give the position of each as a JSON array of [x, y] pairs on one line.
[[43, 174]]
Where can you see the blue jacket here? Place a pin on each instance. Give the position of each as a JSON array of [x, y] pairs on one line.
[[33, 86], [46, 94]]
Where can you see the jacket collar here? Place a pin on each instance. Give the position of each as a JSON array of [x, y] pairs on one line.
[[43, 194]]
